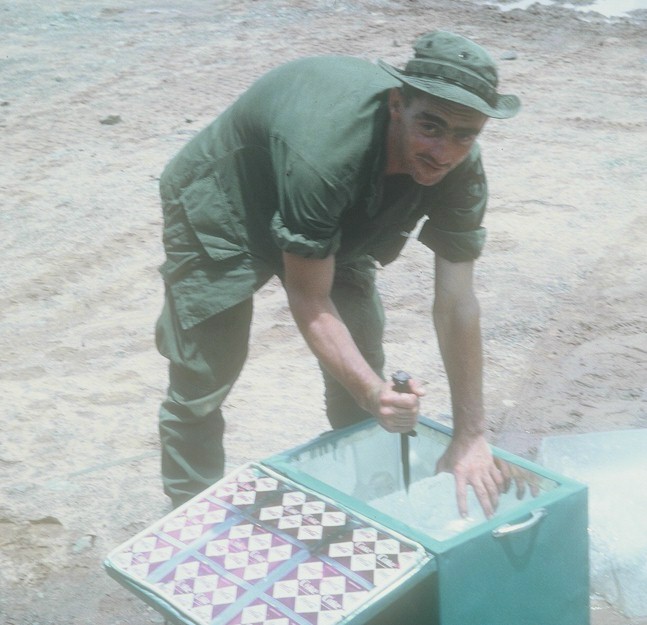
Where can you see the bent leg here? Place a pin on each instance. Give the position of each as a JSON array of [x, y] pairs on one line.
[[205, 361]]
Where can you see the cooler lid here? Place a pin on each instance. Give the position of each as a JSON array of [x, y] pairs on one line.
[[257, 547]]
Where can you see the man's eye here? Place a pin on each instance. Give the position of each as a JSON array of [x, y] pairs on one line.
[[433, 130], [465, 138]]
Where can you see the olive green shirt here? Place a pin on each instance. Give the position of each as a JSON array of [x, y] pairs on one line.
[[296, 164]]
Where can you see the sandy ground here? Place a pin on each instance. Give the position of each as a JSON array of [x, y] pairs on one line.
[[97, 95]]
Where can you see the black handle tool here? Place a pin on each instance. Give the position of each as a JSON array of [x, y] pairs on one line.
[[401, 385]]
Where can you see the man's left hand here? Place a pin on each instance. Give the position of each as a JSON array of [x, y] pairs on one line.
[[470, 459]]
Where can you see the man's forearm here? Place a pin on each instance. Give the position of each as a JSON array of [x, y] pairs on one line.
[[459, 337], [308, 283], [458, 326], [332, 344]]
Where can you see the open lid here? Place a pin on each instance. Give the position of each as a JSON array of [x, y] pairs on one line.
[[257, 547]]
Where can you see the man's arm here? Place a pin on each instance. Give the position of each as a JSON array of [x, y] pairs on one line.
[[457, 321], [308, 283]]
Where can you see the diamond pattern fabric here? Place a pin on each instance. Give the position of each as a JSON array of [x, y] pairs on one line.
[[256, 548]]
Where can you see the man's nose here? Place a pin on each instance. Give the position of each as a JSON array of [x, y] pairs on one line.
[[445, 151], [440, 149]]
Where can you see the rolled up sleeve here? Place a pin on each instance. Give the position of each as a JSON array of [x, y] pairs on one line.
[[301, 244], [456, 209], [454, 246]]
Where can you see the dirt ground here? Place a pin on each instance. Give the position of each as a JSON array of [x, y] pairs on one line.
[[97, 95]]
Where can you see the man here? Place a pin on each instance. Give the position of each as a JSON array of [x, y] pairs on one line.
[[314, 174]]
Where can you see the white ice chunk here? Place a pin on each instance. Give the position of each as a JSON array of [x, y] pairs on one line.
[[430, 506]]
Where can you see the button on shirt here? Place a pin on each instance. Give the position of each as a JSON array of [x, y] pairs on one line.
[[296, 164]]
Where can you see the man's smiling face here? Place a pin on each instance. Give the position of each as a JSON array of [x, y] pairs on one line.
[[428, 137]]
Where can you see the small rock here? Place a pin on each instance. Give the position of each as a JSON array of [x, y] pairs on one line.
[[156, 617], [111, 120], [83, 544], [510, 55], [46, 520], [110, 11]]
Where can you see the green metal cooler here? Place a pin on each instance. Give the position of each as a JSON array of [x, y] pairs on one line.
[[528, 565], [326, 534]]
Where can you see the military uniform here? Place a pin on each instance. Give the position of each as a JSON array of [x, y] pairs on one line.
[[296, 165]]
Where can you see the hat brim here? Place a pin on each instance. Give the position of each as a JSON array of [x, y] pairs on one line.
[[506, 105]]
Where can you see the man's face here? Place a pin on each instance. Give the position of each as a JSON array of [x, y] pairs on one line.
[[428, 137]]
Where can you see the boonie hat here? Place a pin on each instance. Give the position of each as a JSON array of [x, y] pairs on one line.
[[454, 68]]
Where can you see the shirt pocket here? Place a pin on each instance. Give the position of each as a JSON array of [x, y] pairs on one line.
[[213, 218]]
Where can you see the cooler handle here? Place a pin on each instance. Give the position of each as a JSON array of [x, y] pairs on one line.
[[506, 528]]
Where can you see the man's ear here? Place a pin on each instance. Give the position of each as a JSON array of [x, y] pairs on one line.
[[396, 102]]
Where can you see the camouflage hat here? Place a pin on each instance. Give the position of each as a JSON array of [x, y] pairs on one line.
[[454, 68]]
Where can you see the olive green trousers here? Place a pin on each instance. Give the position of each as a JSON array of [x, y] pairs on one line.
[[206, 360]]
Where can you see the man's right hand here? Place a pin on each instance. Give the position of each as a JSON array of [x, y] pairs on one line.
[[395, 411]]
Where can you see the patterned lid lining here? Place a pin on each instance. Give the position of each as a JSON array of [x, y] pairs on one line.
[[256, 548]]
